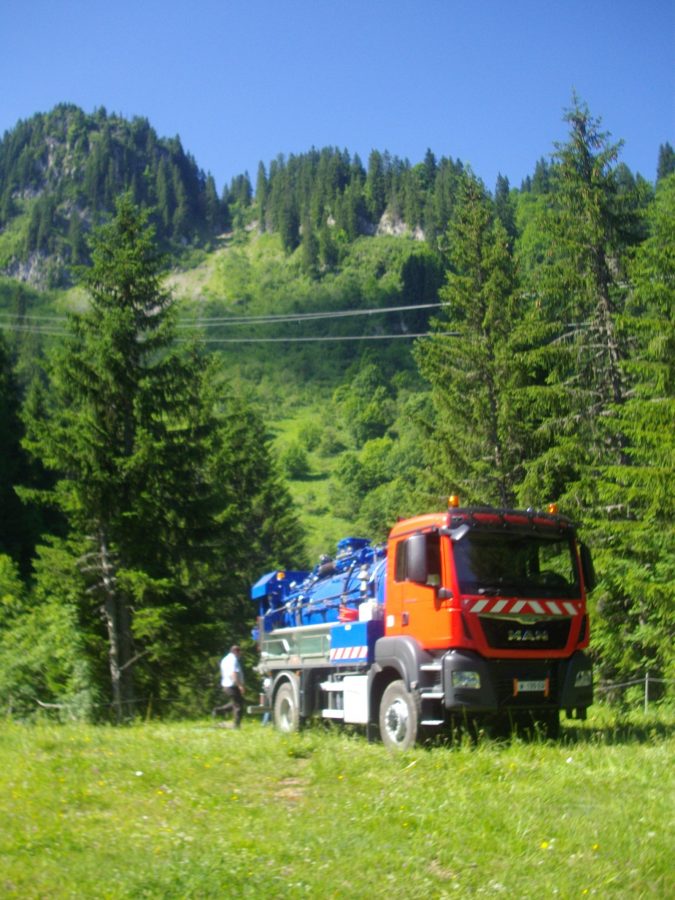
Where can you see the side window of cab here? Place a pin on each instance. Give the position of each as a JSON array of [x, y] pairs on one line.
[[407, 566]]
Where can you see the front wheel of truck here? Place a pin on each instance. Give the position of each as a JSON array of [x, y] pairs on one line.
[[399, 717]]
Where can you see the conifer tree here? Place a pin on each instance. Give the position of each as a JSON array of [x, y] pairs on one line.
[[505, 207], [474, 445], [666, 162], [131, 433], [261, 189], [576, 345], [375, 187], [637, 604], [592, 387]]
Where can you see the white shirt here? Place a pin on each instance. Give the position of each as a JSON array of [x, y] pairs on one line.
[[231, 672]]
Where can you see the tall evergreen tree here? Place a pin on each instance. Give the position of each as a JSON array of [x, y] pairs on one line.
[[474, 444], [261, 189], [132, 437], [589, 381], [579, 287], [375, 186], [666, 161], [505, 207], [637, 623]]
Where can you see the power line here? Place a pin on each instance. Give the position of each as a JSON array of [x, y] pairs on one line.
[[220, 321], [301, 317], [329, 338], [263, 340], [32, 317], [33, 329], [46, 325]]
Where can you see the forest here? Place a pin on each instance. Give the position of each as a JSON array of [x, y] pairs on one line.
[[356, 343]]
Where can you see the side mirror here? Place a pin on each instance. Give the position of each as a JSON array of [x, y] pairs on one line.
[[587, 568], [416, 558]]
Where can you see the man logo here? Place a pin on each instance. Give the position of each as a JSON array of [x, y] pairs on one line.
[[529, 635]]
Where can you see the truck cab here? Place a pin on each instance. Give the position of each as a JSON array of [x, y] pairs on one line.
[[488, 608]]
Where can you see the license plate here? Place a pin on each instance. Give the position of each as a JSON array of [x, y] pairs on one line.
[[540, 686]]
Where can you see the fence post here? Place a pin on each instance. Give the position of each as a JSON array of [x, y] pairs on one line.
[[646, 691]]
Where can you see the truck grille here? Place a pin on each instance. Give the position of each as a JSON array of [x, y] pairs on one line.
[[508, 634]]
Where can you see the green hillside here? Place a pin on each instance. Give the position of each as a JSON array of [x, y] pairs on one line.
[[387, 334], [297, 365]]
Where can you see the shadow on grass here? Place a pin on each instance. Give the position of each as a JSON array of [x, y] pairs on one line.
[[609, 729], [618, 732]]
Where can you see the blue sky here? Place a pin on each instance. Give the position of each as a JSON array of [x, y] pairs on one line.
[[241, 81]]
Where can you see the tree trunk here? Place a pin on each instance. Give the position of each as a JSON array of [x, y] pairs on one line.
[[116, 614]]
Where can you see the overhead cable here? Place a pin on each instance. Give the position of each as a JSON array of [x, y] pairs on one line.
[[300, 317], [328, 338], [219, 321]]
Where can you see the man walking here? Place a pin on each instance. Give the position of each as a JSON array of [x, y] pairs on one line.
[[232, 680]]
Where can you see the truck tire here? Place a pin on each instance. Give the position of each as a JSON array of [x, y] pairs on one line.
[[286, 712], [399, 717]]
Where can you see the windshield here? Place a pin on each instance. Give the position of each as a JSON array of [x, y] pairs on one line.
[[516, 564]]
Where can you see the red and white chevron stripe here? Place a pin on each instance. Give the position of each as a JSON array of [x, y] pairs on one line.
[[347, 653], [499, 606]]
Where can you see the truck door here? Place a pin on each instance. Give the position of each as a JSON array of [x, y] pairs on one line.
[[413, 605]]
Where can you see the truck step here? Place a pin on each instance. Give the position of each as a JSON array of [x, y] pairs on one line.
[[432, 695], [432, 723], [335, 686], [332, 713], [431, 667]]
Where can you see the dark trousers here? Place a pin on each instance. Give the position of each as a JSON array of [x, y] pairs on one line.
[[236, 703]]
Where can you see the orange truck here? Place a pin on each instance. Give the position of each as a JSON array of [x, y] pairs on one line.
[[472, 615]]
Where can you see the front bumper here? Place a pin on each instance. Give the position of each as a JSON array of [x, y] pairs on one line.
[[474, 684]]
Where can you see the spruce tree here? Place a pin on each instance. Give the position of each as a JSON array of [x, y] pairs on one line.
[[579, 286], [590, 350], [666, 161], [127, 433], [637, 536], [474, 444]]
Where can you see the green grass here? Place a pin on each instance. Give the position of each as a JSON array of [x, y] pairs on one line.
[[192, 810]]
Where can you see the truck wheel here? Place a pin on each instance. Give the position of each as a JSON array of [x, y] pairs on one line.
[[399, 717], [286, 712]]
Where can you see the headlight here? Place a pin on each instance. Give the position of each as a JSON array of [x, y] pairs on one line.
[[584, 678], [465, 680]]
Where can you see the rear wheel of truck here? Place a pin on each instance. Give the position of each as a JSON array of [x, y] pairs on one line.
[[399, 717], [286, 712]]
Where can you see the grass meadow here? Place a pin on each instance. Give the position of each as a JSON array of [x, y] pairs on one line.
[[195, 810]]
